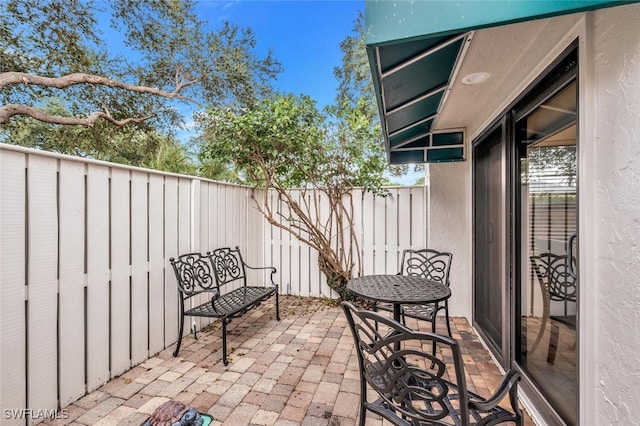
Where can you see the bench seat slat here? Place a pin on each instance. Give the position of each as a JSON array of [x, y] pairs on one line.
[[233, 303]]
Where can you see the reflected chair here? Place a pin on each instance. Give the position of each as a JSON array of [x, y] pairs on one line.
[[433, 265], [412, 387], [557, 284]]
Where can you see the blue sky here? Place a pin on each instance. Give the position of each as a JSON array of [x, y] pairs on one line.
[[304, 36]]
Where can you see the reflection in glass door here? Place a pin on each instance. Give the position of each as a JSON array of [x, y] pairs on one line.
[[547, 303]]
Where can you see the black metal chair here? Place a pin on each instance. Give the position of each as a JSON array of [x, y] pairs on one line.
[[557, 284], [411, 385], [435, 266]]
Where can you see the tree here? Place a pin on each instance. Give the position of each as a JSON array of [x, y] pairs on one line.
[[53, 48], [283, 143]]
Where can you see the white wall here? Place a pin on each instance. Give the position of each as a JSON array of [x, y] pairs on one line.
[[610, 231], [450, 228]]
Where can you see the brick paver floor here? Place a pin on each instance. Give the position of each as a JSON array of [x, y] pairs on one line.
[[299, 371]]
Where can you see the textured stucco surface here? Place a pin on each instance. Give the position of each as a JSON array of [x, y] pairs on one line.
[[450, 228], [616, 200]]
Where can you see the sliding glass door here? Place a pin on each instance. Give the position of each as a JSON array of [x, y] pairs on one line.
[[489, 244], [548, 287], [526, 288]]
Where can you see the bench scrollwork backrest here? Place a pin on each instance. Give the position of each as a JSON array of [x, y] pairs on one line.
[[228, 265], [194, 273]]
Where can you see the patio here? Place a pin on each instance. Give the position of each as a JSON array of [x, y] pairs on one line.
[[301, 370]]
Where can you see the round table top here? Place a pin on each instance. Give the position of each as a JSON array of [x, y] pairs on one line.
[[399, 289]]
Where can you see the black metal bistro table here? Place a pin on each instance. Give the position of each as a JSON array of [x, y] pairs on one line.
[[399, 290]]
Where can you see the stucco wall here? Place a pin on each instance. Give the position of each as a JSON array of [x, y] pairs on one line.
[[450, 228], [612, 265]]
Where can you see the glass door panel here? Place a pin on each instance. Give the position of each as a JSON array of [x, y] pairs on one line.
[[488, 251], [548, 293]]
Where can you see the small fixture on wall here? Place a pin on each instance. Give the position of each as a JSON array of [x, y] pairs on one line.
[[475, 78]]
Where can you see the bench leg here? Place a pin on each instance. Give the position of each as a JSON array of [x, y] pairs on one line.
[[277, 307], [180, 328], [225, 321]]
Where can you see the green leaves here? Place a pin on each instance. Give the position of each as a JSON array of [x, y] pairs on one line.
[[278, 139]]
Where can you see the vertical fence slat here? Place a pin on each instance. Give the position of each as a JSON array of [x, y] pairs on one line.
[[139, 266], [97, 362], [404, 228], [214, 222], [379, 243], [170, 250], [185, 229], [418, 218], [12, 277], [391, 230], [42, 285], [120, 275], [203, 237], [358, 228], [156, 264], [72, 261]]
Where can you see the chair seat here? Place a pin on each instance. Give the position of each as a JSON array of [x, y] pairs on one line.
[[421, 312], [451, 402]]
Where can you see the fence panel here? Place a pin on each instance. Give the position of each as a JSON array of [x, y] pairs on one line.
[[12, 278], [119, 296], [139, 268], [384, 227], [87, 290], [71, 282], [170, 250], [42, 282], [97, 258], [157, 264]]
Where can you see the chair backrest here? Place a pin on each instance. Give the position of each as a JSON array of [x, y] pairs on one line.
[[398, 364], [193, 273], [554, 273], [228, 265], [427, 263]]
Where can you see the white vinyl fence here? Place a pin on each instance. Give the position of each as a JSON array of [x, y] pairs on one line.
[[86, 287]]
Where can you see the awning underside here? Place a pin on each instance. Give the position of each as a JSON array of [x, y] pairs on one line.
[[415, 49], [413, 79]]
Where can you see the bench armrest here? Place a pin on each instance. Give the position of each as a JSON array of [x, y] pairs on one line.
[[273, 271]]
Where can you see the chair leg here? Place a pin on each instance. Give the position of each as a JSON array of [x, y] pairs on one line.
[[433, 330], [225, 361], [363, 399], [553, 344], [363, 414], [446, 315], [180, 329]]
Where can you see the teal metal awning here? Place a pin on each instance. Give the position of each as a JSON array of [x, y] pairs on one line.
[[415, 49], [411, 81]]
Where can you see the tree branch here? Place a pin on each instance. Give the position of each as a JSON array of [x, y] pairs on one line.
[[8, 111], [63, 82]]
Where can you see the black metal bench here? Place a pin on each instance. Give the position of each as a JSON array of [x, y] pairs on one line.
[[210, 274]]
